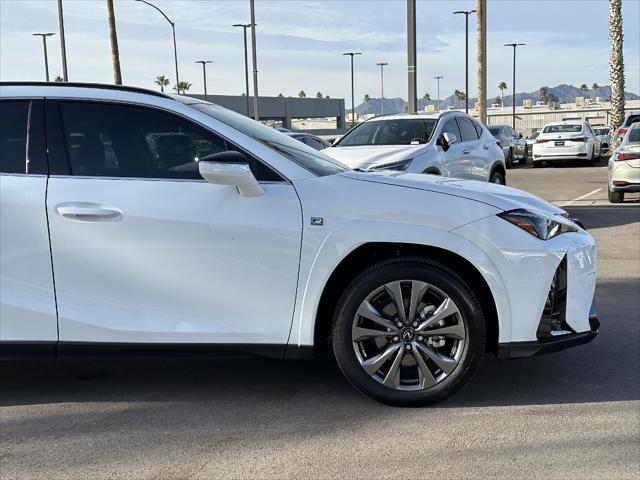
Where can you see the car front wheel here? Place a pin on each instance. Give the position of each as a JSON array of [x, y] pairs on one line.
[[408, 332], [498, 178]]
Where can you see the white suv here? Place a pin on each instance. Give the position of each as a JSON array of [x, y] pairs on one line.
[[451, 144], [566, 140], [132, 221]]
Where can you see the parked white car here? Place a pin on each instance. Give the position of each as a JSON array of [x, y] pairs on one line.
[[566, 140], [451, 144], [132, 221], [624, 166]]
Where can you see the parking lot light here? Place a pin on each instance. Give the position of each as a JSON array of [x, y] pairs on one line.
[[513, 84], [466, 14], [46, 57], [353, 110]]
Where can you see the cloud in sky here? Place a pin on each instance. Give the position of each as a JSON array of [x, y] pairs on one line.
[[300, 43]]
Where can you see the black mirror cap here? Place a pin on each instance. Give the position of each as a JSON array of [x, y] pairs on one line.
[[229, 156]]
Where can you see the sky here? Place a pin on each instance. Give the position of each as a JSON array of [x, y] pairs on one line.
[[299, 44]]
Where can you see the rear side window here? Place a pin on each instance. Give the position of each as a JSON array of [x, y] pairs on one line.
[[110, 140], [469, 133], [478, 128], [14, 121]]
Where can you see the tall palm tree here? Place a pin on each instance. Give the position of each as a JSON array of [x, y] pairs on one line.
[[544, 94], [113, 38], [595, 88], [481, 58], [584, 88], [460, 96], [58, 79], [302, 94], [162, 82], [367, 98], [182, 87], [319, 95], [616, 64], [426, 97], [502, 87]]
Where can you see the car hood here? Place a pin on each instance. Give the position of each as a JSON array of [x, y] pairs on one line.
[[498, 196], [366, 156]]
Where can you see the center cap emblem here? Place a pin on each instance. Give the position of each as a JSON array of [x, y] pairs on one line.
[[408, 334]]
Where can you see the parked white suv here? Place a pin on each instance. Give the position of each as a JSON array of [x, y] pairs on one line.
[[451, 144], [132, 221], [566, 140]]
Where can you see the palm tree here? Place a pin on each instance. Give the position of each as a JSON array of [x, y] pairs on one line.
[[113, 38], [584, 88], [280, 95], [319, 95], [327, 96], [502, 87], [616, 64], [544, 94], [162, 82], [367, 98], [460, 96], [481, 57], [426, 97], [183, 86], [498, 101], [302, 94], [595, 88], [58, 79]]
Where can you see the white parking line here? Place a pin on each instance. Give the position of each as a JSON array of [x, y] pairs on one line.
[[565, 204]]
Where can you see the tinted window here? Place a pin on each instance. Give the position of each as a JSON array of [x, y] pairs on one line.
[[495, 131], [634, 135], [566, 128], [451, 127], [316, 162], [478, 128], [126, 141], [398, 131], [316, 143], [468, 131], [14, 117], [632, 119]]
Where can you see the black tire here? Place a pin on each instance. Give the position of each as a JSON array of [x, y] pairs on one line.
[[497, 177], [509, 160], [524, 156], [536, 163], [436, 275], [615, 197]]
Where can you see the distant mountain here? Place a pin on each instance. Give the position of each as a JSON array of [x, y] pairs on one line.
[[564, 93]]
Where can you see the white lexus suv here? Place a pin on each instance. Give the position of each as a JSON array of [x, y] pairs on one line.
[[136, 222]]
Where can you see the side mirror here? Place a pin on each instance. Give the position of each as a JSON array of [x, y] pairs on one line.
[[447, 139], [230, 168], [520, 135]]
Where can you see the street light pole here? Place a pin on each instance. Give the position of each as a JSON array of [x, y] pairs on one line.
[[412, 103], [466, 55], [63, 48], [438, 78], [353, 110], [513, 98], [204, 74], [46, 56], [246, 61], [254, 58], [175, 47], [382, 65]]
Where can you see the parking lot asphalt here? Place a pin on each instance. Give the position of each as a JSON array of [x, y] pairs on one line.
[[573, 414]]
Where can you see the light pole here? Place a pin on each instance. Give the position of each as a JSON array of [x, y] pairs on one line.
[[63, 48], [466, 55], [175, 48], [46, 57], [246, 61], [204, 74], [513, 99], [353, 109], [382, 65], [412, 102], [437, 79], [254, 59]]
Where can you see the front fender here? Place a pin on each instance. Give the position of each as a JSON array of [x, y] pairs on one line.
[[347, 237]]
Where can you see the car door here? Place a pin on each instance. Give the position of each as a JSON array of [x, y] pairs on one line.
[[27, 299], [454, 161], [472, 151], [145, 251]]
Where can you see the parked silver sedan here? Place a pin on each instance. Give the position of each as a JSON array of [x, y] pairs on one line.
[[513, 145]]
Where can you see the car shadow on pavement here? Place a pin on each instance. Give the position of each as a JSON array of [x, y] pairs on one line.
[[601, 371], [604, 216]]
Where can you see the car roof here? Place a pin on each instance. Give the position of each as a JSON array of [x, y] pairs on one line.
[[404, 116], [63, 86], [577, 121]]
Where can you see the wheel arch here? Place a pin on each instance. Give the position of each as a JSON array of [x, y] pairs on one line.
[[369, 253], [499, 168]]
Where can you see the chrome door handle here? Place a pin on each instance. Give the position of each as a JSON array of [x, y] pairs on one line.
[[486, 147], [88, 212], [466, 152]]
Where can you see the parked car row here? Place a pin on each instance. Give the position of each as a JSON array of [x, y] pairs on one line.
[[513, 145], [173, 226], [566, 140]]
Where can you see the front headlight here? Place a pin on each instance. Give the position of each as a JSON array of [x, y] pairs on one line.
[[402, 165], [538, 224]]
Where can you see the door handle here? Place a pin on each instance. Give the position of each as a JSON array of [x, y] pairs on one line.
[[88, 212], [486, 147], [466, 152]]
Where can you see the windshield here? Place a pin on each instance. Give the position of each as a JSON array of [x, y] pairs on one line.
[[533, 136], [601, 131], [309, 158], [404, 131], [494, 130], [634, 135], [566, 128]]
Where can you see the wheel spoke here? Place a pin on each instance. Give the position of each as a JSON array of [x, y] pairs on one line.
[[446, 364], [426, 377], [395, 292], [454, 331], [392, 379], [446, 308], [367, 310], [360, 333], [417, 292], [373, 364]]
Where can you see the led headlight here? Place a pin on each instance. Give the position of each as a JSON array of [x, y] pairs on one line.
[[539, 224], [402, 165]]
